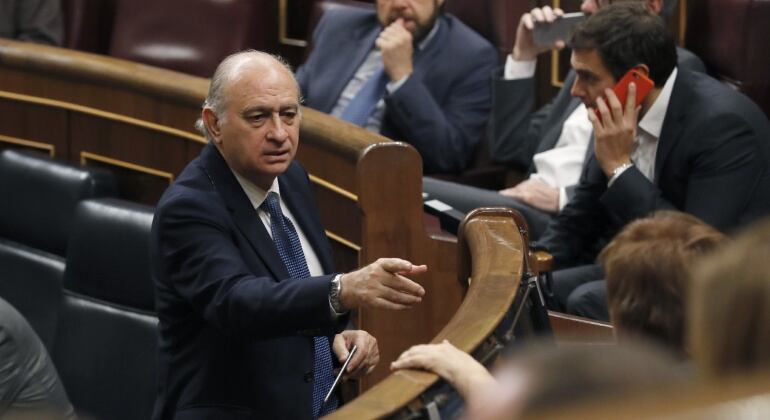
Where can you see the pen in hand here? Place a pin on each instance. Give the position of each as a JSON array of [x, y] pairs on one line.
[[339, 376]]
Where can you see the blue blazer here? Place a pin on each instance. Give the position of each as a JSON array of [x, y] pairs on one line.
[[713, 161], [235, 329], [441, 109]]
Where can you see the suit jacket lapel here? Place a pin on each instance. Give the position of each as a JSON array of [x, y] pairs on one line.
[[358, 46], [304, 214], [423, 59], [672, 123], [244, 215]]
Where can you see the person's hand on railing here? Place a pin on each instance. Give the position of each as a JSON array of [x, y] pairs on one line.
[[469, 377]]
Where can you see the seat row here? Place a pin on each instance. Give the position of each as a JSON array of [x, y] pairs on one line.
[[75, 263]]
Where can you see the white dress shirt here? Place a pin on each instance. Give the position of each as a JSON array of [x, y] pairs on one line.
[[372, 62], [561, 166], [648, 133], [257, 196]]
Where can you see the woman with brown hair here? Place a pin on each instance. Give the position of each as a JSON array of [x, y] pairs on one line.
[[729, 310], [647, 269]]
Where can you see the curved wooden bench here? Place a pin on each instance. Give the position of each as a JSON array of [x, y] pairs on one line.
[[492, 254]]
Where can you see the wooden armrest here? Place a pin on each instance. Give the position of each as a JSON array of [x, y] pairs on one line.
[[540, 261]]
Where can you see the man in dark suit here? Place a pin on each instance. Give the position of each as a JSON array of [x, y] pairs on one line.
[[430, 71], [248, 302], [694, 145], [550, 144]]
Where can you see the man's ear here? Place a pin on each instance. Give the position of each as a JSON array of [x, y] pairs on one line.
[[643, 68], [211, 122]]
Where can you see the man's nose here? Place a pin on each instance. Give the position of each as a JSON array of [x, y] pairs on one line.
[[576, 90], [277, 130], [399, 4]]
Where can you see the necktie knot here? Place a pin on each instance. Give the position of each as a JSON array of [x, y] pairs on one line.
[[272, 205]]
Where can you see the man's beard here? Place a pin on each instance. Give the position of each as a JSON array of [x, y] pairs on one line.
[[420, 31]]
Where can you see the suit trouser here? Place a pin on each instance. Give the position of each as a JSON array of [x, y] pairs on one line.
[[580, 291], [466, 198]]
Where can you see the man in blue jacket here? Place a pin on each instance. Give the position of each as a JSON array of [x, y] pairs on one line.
[[249, 305], [408, 71]]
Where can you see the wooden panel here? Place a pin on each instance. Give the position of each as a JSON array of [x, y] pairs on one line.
[[34, 124]]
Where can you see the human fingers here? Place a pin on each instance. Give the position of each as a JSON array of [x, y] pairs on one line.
[[537, 14], [358, 339], [382, 303], [416, 269], [594, 119], [395, 295], [413, 358], [548, 14], [604, 112], [616, 107], [527, 21], [630, 105], [403, 284], [340, 348], [558, 12], [394, 265], [367, 356]]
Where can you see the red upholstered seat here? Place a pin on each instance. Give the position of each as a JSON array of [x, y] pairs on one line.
[[88, 24], [191, 36], [731, 37]]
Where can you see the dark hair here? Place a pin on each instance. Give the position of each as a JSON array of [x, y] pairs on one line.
[[627, 34], [647, 268]]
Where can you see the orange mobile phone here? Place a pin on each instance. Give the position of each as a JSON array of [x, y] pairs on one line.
[[643, 86]]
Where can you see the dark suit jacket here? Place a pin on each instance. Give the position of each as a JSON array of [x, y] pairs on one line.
[[713, 161], [234, 328], [441, 109]]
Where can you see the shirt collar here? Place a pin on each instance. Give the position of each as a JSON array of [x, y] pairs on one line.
[[255, 194], [652, 122]]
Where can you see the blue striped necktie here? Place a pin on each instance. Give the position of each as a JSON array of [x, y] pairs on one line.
[[290, 250], [362, 106]]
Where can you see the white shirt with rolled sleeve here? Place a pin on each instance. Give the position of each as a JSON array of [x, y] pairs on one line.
[[561, 166]]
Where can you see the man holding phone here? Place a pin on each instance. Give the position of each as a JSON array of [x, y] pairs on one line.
[[693, 145], [550, 144]]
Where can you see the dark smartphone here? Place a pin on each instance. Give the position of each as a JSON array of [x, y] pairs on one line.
[[547, 33], [643, 86]]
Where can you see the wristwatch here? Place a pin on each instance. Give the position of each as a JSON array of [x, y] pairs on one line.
[[335, 289]]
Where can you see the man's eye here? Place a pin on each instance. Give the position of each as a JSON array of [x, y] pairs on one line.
[[258, 118], [288, 116]]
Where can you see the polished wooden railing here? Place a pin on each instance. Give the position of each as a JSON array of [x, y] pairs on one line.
[[492, 258]]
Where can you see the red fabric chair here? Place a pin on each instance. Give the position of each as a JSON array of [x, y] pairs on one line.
[[191, 36], [731, 37], [88, 24]]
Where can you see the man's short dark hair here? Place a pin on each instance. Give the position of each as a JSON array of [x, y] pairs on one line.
[[625, 35]]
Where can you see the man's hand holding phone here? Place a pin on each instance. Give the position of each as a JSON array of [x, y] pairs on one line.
[[615, 130], [525, 48]]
